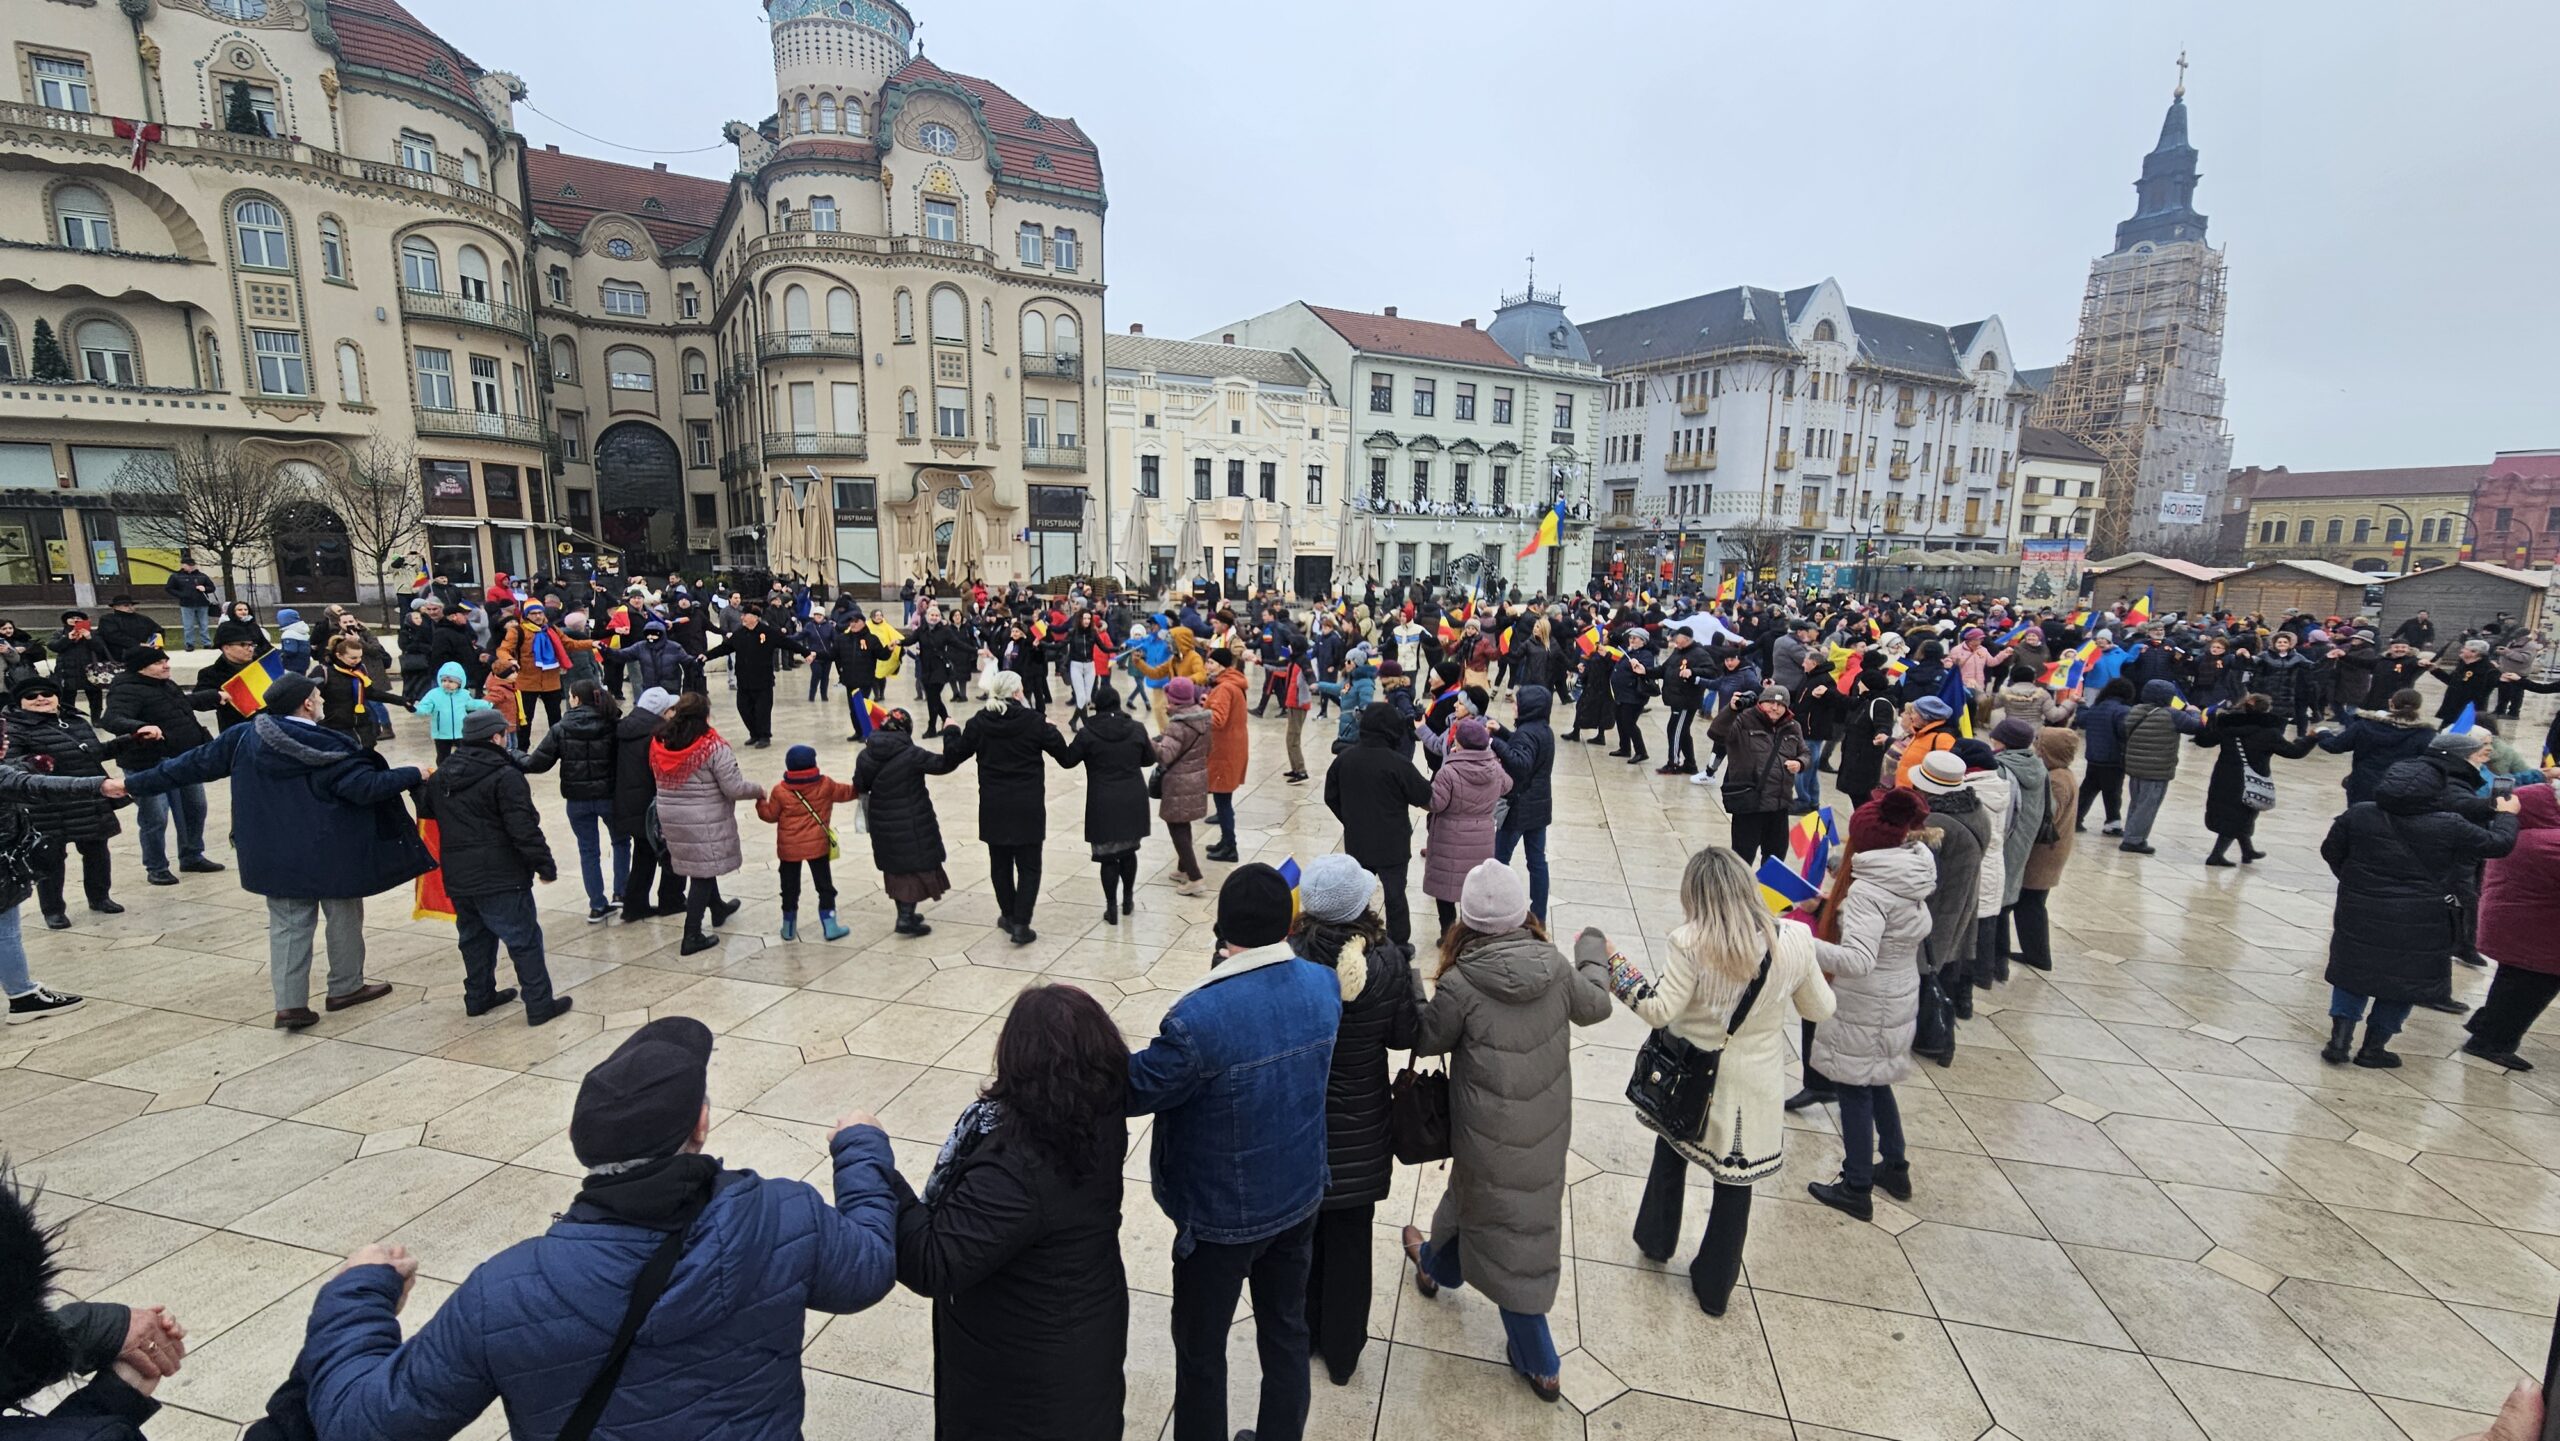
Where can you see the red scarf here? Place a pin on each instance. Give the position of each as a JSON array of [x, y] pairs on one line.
[[675, 767]]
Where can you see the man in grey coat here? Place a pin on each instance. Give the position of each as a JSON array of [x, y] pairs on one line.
[[1787, 653], [2014, 739]]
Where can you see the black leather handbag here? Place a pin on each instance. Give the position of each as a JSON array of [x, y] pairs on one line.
[[1675, 1079], [1418, 1116]]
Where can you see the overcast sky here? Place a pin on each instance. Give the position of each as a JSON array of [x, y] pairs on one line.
[[2381, 174]]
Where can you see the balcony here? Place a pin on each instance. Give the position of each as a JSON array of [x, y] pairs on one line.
[[1053, 457], [1893, 522], [1905, 415], [482, 425], [1899, 469], [1950, 475], [2008, 478], [446, 181], [790, 344], [1810, 518], [1053, 367], [496, 315], [1848, 465], [1681, 462], [1786, 460], [834, 443], [1693, 405], [1973, 528]]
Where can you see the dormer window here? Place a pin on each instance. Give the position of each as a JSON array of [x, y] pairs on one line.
[[939, 138]]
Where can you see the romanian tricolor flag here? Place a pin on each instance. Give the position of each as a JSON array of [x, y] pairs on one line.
[[430, 902], [1545, 535], [1809, 843], [1289, 872], [2010, 636], [1782, 888], [248, 690], [1588, 641], [2073, 668], [1726, 590], [2141, 612], [1448, 633], [868, 716]]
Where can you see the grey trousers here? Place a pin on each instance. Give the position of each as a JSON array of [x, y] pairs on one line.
[[292, 922], [2141, 808]]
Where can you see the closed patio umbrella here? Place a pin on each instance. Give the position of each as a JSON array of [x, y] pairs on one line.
[[1248, 546], [1134, 549], [1186, 546]]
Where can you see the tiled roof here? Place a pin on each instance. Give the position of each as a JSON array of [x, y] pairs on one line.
[[2377, 484], [2526, 465], [1415, 339], [1202, 360], [567, 191], [1030, 146], [379, 34], [1720, 320], [2038, 379], [2054, 445]]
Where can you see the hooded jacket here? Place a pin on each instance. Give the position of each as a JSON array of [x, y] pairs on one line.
[[2403, 862], [1757, 750], [1875, 967], [699, 788], [633, 784], [1230, 745], [1463, 796], [1381, 1008], [446, 710], [1960, 829], [1373, 789], [906, 836], [2030, 801], [2057, 749], [64, 744], [1182, 751], [314, 815], [718, 1355], [1182, 658], [2378, 740], [2150, 733], [1528, 755], [490, 833], [800, 830]]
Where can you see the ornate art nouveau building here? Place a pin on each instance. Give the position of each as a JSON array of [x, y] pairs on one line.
[[304, 225]]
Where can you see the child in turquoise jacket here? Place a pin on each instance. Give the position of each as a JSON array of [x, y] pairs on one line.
[[445, 707]]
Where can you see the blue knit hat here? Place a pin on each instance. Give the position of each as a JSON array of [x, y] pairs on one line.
[[800, 758]]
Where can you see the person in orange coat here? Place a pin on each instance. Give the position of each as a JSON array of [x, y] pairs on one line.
[[799, 810], [1229, 746], [1931, 723], [535, 654]]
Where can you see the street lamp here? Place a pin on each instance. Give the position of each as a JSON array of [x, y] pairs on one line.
[[2408, 530]]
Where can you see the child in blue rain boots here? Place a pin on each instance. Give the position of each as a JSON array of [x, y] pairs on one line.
[[799, 809]]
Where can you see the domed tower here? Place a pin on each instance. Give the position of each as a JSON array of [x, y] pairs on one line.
[[830, 58]]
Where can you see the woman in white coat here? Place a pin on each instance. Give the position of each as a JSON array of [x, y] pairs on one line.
[[1881, 920], [1983, 776], [1716, 954]]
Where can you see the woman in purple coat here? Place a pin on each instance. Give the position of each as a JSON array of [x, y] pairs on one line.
[[1463, 796]]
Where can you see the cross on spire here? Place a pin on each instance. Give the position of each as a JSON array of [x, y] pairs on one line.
[[2181, 92]]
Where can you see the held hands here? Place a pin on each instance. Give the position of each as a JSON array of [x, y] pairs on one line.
[[395, 1257], [112, 789], [1794, 766], [857, 1117], [154, 1346], [2507, 805], [149, 733], [1591, 948]]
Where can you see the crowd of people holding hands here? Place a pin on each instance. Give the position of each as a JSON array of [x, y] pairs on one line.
[[1967, 742]]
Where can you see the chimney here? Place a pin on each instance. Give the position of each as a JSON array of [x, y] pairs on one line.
[[1467, 324], [1229, 338], [660, 167], [1391, 312], [1136, 329], [554, 149]]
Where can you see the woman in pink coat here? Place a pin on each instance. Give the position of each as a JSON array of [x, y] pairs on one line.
[[2520, 930], [1471, 782]]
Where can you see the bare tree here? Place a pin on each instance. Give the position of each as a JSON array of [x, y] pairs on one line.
[[1754, 547], [383, 503], [208, 497]]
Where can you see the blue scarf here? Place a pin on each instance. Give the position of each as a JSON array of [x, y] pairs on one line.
[[546, 654]]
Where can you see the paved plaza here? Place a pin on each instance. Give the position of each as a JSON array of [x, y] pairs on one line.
[[2145, 1208]]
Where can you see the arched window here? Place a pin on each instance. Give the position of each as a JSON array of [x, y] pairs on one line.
[[507, 281], [8, 350], [697, 373], [826, 115], [802, 110], [1990, 360], [81, 218], [2337, 531], [852, 116], [421, 269], [1822, 330], [950, 317], [106, 353], [795, 310], [991, 417], [906, 415], [840, 311], [564, 359], [906, 316], [1035, 333], [1065, 333], [333, 248], [350, 373], [2364, 529], [629, 368], [987, 325], [471, 273], [261, 228]]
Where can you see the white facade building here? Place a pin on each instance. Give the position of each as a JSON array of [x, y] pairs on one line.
[[1770, 429], [1456, 447], [2060, 486], [1244, 444]]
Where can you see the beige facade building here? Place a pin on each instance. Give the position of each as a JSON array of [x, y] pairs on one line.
[[1239, 448], [302, 229], [2059, 486]]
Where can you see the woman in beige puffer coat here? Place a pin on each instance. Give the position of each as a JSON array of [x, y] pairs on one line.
[[699, 787], [1182, 761], [1882, 921]]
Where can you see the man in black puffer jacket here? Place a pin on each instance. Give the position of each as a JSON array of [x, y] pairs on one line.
[[51, 738], [492, 853], [1528, 752], [145, 698], [1373, 789], [585, 747], [1381, 1012], [634, 789]]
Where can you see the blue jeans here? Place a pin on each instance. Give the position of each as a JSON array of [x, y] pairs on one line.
[[592, 821], [198, 623], [1531, 1344], [2388, 1016], [1809, 780], [480, 923], [1506, 838], [151, 823], [14, 979], [1868, 1116]]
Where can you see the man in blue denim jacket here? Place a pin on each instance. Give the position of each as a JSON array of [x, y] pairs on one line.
[[1236, 1078]]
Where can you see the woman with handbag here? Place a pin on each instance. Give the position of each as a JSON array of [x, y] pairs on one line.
[[1730, 983], [1502, 1012], [2248, 737], [1872, 958], [1115, 752]]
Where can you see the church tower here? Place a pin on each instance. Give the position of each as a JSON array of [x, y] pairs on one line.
[[2143, 384]]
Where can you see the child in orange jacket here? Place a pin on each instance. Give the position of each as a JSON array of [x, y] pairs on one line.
[[799, 809]]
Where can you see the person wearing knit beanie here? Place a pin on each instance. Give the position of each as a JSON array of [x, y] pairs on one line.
[[1887, 821], [1471, 734], [1182, 692], [2015, 733], [802, 812], [1335, 889], [800, 760], [1494, 900], [1254, 908]]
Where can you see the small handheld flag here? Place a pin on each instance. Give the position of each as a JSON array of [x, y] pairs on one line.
[[2141, 612], [1289, 872], [2465, 721], [1783, 889], [1588, 641], [1726, 588], [2011, 635], [247, 690]]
